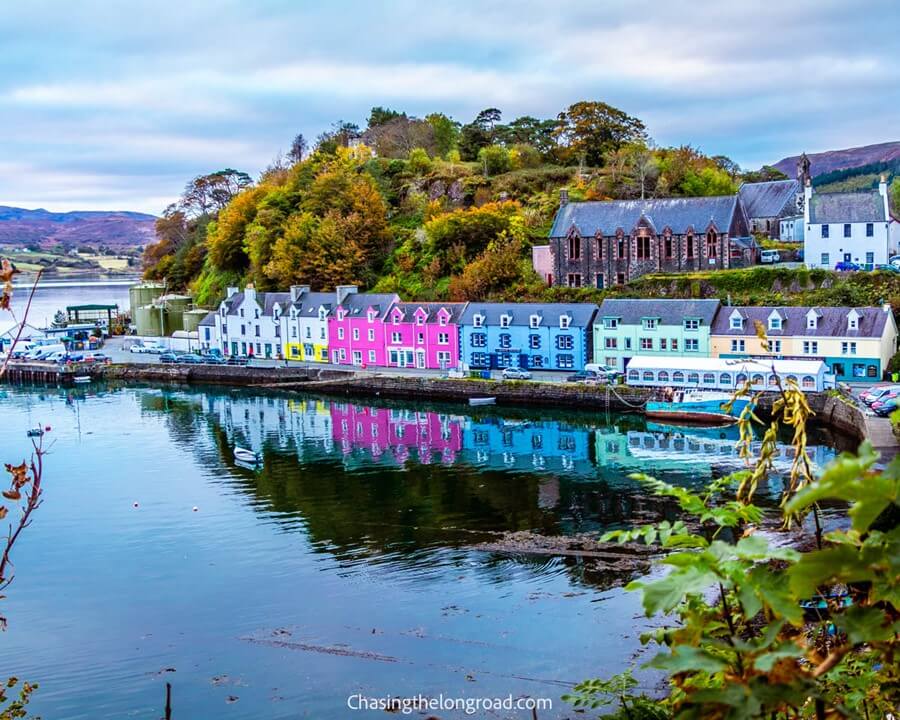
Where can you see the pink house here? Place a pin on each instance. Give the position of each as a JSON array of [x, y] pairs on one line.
[[356, 327], [423, 335]]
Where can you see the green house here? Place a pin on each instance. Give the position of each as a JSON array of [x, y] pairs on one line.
[[677, 328]]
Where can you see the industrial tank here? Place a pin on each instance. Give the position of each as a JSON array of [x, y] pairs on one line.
[[174, 305], [190, 319], [147, 321], [143, 294]]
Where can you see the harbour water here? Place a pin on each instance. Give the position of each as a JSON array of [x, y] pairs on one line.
[[344, 564]]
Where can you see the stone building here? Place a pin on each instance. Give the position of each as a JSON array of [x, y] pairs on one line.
[[603, 243]]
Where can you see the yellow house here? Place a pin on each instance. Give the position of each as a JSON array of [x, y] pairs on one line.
[[304, 325], [856, 343]]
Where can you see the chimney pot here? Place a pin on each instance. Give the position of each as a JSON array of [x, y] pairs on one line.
[[564, 196], [297, 291]]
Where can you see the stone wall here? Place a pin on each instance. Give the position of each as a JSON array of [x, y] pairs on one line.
[[220, 374]]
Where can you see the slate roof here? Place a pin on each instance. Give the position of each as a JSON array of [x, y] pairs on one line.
[[847, 207], [210, 319], [409, 308], [357, 303], [832, 321], [670, 312], [266, 300], [309, 303], [582, 314], [768, 199], [679, 214]]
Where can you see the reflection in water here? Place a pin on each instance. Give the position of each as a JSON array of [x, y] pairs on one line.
[[352, 539]]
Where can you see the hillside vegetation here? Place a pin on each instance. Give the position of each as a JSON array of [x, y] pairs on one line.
[[426, 207]]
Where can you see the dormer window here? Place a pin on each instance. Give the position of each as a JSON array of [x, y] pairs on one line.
[[534, 321], [564, 322], [737, 322], [505, 321], [396, 318], [649, 323], [242, 312], [420, 319], [811, 322], [853, 321], [371, 316], [321, 313], [775, 322], [442, 320], [256, 314], [478, 320], [610, 323], [341, 314]]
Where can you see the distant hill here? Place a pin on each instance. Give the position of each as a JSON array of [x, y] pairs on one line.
[[75, 229], [826, 162]]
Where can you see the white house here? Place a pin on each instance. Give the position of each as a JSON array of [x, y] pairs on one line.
[[848, 227], [792, 228], [249, 323], [304, 324]]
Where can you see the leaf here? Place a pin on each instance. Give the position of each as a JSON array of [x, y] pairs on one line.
[[688, 659], [663, 595], [841, 563], [864, 624], [767, 660]]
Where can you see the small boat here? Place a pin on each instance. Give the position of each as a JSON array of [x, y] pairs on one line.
[[35, 432], [246, 456], [82, 379], [696, 406], [483, 401], [251, 466]]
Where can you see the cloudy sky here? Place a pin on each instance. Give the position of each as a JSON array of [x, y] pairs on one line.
[[113, 105]]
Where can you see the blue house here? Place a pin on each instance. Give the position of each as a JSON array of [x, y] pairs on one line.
[[536, 336]]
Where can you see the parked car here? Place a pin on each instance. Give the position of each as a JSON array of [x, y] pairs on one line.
[[887, 397], [168, 358], [888, 268], [769, 257], [605, 373], [237, 360], [872, 394], [210, 359], [585, 376], [96, 357], [894, 260], [190, 359], [515, 373], [845, 266], [138, 348], [887, 407]]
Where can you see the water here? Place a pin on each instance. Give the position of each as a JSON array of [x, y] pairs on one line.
[[344, 565], [55, 294]]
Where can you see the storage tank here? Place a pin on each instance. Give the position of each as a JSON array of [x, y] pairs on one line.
[[174, 305], [143, 294], [147, 321], [190, 319]]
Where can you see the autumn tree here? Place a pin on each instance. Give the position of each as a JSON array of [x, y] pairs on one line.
[[298, 148], [208, 194], [495, 272], [590, 130], [398, 136], [456, 238]]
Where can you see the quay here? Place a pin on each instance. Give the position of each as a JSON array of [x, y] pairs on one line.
[[49, 372]]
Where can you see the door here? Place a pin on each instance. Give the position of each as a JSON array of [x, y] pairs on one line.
[[420, 359], [846, 257]]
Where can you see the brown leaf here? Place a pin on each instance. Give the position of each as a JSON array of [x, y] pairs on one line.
[[3, 511], [12, 494]]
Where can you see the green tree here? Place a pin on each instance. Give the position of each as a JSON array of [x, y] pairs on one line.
[[446, 132], [494, 159], [380, 115], [590, 130], [419, 162]]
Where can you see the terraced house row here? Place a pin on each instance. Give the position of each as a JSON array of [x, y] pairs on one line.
[[346, 327]]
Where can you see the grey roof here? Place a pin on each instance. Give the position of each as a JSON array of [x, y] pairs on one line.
[[832, 321], [747, 242], [210, 319], [408, 308], [847, 207], [266, 300], [768, 199], [669, 312], [582, 314], [357, 303], [679, 214], [309, 303]]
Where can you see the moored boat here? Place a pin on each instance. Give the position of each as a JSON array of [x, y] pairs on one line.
[[695, 406], [482, 401], [246, 456]]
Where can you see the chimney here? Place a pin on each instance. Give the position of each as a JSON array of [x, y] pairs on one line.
[[250, 291], [883, 191], [297, 291], [342, 291], [230, 291], [807, 197], [563, 197]]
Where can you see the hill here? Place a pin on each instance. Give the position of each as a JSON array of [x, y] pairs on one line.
[[826, 162], [114, 229]]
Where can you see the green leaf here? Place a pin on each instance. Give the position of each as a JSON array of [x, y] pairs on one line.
[[767, 660], [841, 563], [665, 594], [688, 659], [864, 624]]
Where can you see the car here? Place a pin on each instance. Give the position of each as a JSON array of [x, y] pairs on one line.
[[154, 348], [138, 348], [888, 407], [209, 359], [96, 357], [237, 360], [769, 257], [872, 394], [189, 359], [605, 373], [847, 266], [585, 376], [887, 397], [515, 373], [894, 260], [168, 358]]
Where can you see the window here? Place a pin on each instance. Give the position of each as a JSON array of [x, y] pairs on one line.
[[534, 321], [737, 322], [479, 340], [871, 371], [611, 343], [757, 379], [505, 321], [443, 338], [442, 320], [825, 260], [372, 356], [646, 343], [663, 376], [308, 332], [479, 359], [621, 253], [396, 338], [691, 345], [775, 322], [693, 378], [420, 320], [574, 248], [691, 324], [663, 344], [620, 278], [793, 379], [565, 342], [649, 323], [738, 346], [775, 346], [396, 318], [340, 333], [740, 379], [537, 361], [371, 334], [600, 281], [825, 231], [668, 248], [810, 347], [256, 329], [870, 229], [674, 344], [478, 320], [243, 329], [690, 247], [633, 375], [534, 342], [610, 323], [647, 376], [565, 361], [773, 380], [242, 312], [643, 248], [574, 279], [711, 245], [371, 316], [870, 258], [628, 343], [709, 378], [848, 348], [848, 232], [420, 338], [505, 340], [356, 333], [725, 379], [808, 382]]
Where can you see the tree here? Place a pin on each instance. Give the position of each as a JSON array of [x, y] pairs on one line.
[[472, 138], [340, 135], [398, 136], [419, 162], [446, 132], [726, 164], [494, 160], [298, 149], [527, 130], [207, 194], [457, 237], [487, 119], [590, 130], [502, 265], [380, 115], [765, 174]]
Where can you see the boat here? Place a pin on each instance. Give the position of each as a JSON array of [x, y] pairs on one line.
[[82, 378], [246, 456], [696, 406], [35, 432], [483, 401]]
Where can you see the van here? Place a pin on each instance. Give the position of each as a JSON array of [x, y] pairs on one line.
[[42, 351], [603, 372], [770, 257]]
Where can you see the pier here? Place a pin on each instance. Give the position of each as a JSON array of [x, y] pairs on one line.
[[49, 372]]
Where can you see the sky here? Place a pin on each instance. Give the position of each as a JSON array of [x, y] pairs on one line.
[[114, 106]]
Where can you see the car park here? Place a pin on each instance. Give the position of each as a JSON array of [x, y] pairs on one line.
[[515, 373]]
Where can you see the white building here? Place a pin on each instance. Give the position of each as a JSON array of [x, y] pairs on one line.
[[304, 323], [792, 228], [249, 323], [848, 227]]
